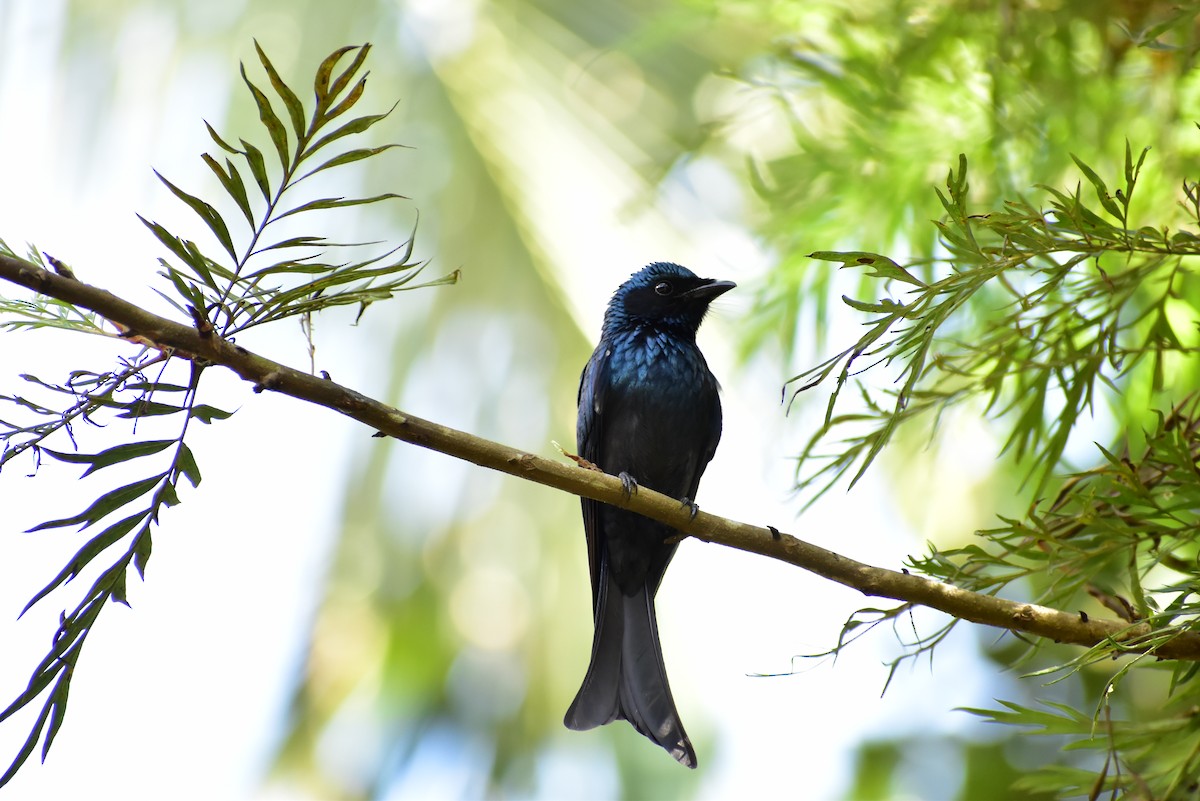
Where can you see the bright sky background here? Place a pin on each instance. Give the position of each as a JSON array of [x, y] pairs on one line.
[[180, 697]]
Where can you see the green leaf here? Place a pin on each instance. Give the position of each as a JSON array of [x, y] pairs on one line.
[[343, 80], [147, 408], [349, 157], [296, 242], [339, 203], [231, 179], [187, 465], [349, 102], [205, 212], [206, 414], [882, 266], [27, 747], [58, 708], [113, 455], [155, 386], [355, 126], [142, 545], [221, 143], [884, 306], [291, 102], [258, 168], [105, 504], [325, 73], [93, 548], [271, 122], [1102, 193]]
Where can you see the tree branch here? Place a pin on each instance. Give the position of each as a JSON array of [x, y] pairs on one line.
[[201, 343]]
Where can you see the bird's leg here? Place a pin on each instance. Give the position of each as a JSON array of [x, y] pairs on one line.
[[629, 484], [690, 505]]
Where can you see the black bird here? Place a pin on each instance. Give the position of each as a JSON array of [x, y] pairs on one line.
[[648, 412]]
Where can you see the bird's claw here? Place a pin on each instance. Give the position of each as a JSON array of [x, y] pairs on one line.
[[690, 505], [628, 484]]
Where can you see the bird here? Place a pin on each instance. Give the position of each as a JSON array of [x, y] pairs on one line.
[[649, 412]]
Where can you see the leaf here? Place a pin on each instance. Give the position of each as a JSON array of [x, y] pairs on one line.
[[206, 414], [291, 102], [113, 455], [58, 708], [349, 157], [206, 212], [882, 266], [349, 102], [339, 203], [187, 465], [91, 549], [884, 306], [343, 80], [269, 120], [231, 179], [141, 551], [147, 408], [325, 73], [355, 126], [221, 143], [105, 504], [295, 242], [258, 168], [155, 386], [1106, 199], [27, 747]]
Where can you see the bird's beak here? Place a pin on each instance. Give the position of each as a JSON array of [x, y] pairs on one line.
[[710, 290]]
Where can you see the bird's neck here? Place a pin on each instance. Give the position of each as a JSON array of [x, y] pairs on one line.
[[639, 331]]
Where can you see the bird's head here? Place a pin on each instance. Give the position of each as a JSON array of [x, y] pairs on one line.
[[665, 297]]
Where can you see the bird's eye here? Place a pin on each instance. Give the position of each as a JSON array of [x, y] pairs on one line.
[[663, 288]]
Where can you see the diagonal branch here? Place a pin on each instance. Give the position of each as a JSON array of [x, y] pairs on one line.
[[201, 343]]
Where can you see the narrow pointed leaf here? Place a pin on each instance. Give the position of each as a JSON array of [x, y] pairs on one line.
[[58, 710], [343, 80], [325, 74], [355, 126], [221, 143], [258, 168], [231, 179], [141, 551], [339, 202], [881, 266], [27, 747], [205, 212], [291, 102], [105, 504], [93, 548], [349, 102], [114, 455], [269, 120], [146, 408], [206, 414], [349, 157], [188, 467], [1102, 193]]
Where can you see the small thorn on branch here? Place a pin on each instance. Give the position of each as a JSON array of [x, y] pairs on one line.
[[200, 320], [271, 380], [60, 267]]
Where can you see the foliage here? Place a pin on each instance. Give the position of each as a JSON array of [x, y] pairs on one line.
[[1050, 301], [1087, 308], [250, 283]]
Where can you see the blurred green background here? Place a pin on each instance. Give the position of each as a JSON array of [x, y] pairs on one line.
[[427, 639]]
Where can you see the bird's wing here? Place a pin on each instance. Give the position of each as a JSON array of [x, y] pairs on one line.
[[593, 385]]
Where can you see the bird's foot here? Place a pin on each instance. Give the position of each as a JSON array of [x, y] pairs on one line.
[[628, 484], [690, 505]]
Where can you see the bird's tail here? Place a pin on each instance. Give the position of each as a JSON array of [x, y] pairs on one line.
[[626, 677]]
